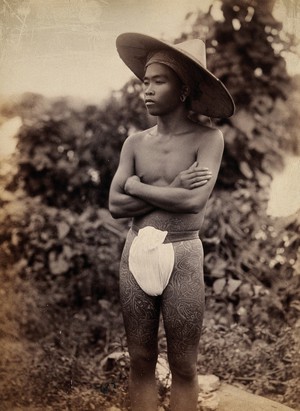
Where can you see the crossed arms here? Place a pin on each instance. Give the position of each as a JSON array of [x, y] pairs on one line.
[[187, 193]]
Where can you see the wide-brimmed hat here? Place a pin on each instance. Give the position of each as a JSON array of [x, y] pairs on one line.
[[213, 99]]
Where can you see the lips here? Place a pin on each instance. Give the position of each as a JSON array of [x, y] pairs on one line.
[[149, 101]]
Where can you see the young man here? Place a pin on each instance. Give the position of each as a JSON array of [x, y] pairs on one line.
[[164, 179]]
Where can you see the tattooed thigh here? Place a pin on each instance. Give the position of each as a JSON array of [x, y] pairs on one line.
[[183, 302], [140, 311]]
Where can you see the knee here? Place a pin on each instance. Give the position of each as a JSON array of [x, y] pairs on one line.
[[143, 360], [183, 371]]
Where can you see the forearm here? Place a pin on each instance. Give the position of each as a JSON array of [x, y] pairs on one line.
[[173, 199], [124, 205]]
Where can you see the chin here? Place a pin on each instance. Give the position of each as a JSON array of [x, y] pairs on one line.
[[153, 112]]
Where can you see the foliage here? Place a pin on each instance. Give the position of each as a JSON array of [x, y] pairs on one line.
[[245, 52], [62, 245], [68, 151], [60, 248], [58, 269], [248, 263]]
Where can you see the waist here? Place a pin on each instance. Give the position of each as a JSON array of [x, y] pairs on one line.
[[174, 236], [170, 221]]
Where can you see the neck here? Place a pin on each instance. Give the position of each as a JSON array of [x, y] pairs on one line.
[[173, 123]]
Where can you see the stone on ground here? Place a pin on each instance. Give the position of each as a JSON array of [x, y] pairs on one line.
[[236, 399], [208, 383]]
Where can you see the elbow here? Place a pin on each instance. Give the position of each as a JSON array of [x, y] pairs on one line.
[[194, 206], [114, 214], [195, 210], [114, 210]]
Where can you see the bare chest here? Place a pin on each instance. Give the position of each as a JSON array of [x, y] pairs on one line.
[[159, 162]]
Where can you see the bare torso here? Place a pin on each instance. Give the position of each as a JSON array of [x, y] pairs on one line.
[[158, 160]]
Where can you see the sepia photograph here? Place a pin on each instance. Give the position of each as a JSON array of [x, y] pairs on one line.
[[149, 205]]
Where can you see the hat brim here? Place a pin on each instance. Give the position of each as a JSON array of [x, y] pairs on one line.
[[214, 101]]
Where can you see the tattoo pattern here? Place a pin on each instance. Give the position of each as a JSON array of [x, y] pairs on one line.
[[181, 304], [166, 221]]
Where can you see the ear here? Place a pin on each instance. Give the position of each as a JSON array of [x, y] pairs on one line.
[[185, 90]]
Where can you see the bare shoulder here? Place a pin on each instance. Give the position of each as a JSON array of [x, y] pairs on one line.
[[209, 131], [209, 136], [137, 137]]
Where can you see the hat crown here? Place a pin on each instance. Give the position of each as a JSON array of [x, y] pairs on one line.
[[195, 49]]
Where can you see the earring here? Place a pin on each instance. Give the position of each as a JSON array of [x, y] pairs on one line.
[[182, 98]]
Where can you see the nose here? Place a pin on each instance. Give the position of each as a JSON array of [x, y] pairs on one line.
[[148, 91]]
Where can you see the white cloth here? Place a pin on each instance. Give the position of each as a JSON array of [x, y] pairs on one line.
[[150, 261]]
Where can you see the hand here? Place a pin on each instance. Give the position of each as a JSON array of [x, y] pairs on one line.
[[129, 185], [193, 177]]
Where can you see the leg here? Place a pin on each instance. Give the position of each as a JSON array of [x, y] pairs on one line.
[[183, 308], [141, 320]]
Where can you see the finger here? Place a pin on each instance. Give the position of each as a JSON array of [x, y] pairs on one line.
[[202, 173], [206, 172], [198, 176], [194, 173], [199, 180], [199, 184], [201, 167]]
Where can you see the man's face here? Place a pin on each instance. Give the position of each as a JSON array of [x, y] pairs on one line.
[[162, 89]]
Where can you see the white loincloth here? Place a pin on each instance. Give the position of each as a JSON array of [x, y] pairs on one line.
[[150, 261]]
